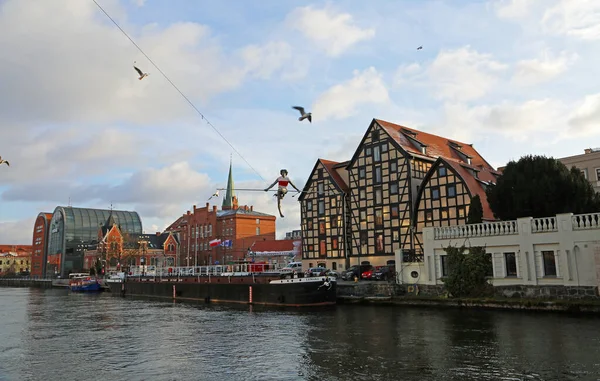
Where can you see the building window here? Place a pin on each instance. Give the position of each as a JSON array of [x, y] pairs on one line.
[[585, 173], [443, 266], [334, 222], [393, 166], [361, 173], [334, 266], [320, 173], [368, 151], [363, 237], [258, 221], [435, 193], [333, 202], [549, 263], [428, 216], [375, 135], [379, 244], [378, 175], [442, 171], [511, 264], [394, 211], [598, 174], [451, 190], [322, 249], [444, 213], [378, 197], [309, 205], [322, 227], [334, 243], [394, 188], [321, 207], [376, 154], [378, 219], [257, 231], [321, 188], [460, 212]]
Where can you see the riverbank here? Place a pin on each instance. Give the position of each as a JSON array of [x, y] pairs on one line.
[[382, 293]]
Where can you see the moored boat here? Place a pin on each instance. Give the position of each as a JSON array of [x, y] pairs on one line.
[[219, 284], [84, 284]]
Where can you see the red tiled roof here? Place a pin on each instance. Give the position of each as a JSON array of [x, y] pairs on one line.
[[436, 145], [176, 223], [329, 165], [273, 245], [19, 249], [475, 186]]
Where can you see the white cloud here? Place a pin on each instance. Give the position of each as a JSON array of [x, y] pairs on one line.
[[585, 119], [333, 32], [342, 100], [139, 3], [17, 232], [576, 18], [407, 73], [464, 74], [513, 9], [539, 70], [263, 61]]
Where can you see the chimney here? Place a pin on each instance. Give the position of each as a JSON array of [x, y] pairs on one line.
[[588, 150], [207, 206], [194, 208], [157, 234], [188, 212], [214, 209], [251, 207]]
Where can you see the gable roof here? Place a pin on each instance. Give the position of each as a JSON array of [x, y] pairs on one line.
[[331, 166], [474, 184], [436, 146]]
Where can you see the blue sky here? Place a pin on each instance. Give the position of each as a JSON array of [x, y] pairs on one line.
[[513, 77]]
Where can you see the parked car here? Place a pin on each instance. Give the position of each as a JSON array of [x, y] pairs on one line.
[[291, 267], [383, 273], [316, 271], [367, 275], [355, 271], [332, 273]]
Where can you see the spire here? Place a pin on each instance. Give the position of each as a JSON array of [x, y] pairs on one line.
[[229, 195]]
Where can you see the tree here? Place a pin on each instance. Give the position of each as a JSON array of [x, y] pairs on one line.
[[467, 273], [537, 186], [475, 215]]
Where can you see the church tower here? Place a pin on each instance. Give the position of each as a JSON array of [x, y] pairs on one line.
[[229, 201]]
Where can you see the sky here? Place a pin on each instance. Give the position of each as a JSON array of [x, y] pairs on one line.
[[511, 77]]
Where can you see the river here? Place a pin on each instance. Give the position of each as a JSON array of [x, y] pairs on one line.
[[55, 335]]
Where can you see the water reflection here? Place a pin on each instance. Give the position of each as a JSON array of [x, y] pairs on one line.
[[54, 335]]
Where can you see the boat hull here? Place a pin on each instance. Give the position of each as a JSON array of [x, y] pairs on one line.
[[92, 287], [304, 292]]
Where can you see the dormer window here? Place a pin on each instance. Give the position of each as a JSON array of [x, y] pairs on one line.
[[469, 160], [424, 150]]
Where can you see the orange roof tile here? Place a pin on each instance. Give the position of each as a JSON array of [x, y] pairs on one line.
[[436, 145], [18, 249], [329, 165], [474, 185]]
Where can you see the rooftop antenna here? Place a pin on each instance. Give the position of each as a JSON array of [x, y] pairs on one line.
[[69, 201], [111, 206]]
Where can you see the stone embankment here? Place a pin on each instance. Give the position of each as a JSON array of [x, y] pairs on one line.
[[19, 282], [533, 298]]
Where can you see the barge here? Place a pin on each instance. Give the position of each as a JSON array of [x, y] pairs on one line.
[[217, 284]]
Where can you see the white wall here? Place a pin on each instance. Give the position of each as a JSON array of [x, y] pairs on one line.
[[574, 240]]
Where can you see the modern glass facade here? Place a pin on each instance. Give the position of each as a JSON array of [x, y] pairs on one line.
[[75, 230]]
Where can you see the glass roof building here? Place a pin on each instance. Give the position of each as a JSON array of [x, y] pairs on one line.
[[75, 230]]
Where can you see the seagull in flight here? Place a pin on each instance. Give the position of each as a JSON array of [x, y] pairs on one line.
[[303, 114], [142, 74], [216, 194], [4, 161], [420, 47]]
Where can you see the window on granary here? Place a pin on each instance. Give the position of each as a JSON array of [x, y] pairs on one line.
[[378, 196], [394, 188], [376, 154], [435, 193], [334, 243], [321, 207], [321, 188], [375, 135], [393, 166], [378, 175], [308, 205], [442, 171], [361, 173], [257, 231], [511, 264], [451, 190]]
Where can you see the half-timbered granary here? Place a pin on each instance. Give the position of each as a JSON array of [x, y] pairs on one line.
[[398, 181]]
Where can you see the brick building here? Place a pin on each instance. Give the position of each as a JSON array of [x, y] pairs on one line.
[[119, 250], [41, 233], [15, 259], [238, 225]]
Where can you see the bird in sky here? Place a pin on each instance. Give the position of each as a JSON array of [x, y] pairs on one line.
[[303, 114], [4, 161], [142, 74], [420, 47], [216, 194]]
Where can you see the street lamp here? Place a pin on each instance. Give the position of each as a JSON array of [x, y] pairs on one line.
[[143, 242]]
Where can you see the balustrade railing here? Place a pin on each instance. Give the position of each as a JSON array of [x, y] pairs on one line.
[[544, 224], [586, 221], [485, 229]]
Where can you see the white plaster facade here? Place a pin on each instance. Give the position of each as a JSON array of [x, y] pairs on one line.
[[572, 241]]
